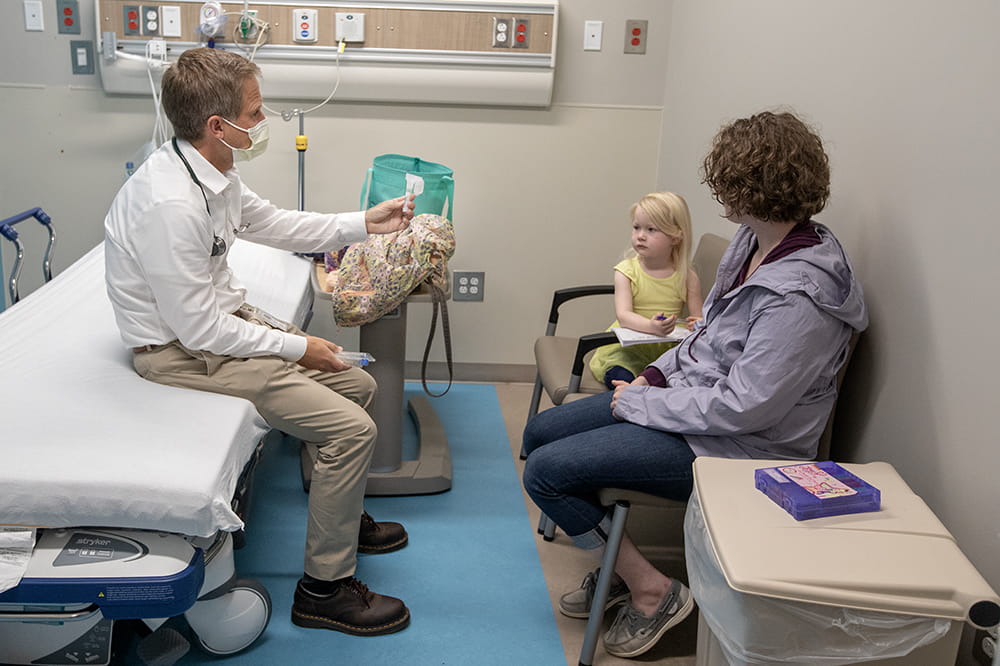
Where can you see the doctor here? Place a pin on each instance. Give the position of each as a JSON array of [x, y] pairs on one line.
[[182, 312]]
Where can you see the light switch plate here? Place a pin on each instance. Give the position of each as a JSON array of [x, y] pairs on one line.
[[82, 56]]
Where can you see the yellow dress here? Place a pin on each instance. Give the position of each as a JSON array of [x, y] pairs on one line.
[[650, 296]]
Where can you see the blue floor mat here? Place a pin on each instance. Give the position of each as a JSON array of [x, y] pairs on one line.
[[470, 574]]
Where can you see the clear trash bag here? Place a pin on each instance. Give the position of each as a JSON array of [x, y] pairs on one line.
[[752, 629]]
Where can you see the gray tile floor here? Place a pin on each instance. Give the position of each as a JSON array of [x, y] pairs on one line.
[[564, 565]]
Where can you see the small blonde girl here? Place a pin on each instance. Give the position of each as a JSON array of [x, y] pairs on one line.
[[652, 285]]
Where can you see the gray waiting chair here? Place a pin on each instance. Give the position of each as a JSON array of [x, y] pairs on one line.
[[562, 361], [563, 370]]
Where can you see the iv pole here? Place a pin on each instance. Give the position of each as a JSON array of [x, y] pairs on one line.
[[301, 145]]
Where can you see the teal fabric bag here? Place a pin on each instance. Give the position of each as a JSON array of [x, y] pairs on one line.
[[386, 179]]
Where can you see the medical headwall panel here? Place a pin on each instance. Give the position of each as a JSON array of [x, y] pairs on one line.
[[444, 52]]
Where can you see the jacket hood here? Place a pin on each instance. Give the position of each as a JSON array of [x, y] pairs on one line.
[[822, 272]]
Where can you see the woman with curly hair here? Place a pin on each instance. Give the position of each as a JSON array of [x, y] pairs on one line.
[[756, 379]]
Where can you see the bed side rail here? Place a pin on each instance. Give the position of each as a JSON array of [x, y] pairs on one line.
[[7, 231]]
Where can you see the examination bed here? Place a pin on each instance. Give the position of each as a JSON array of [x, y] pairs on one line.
[[136, 488]]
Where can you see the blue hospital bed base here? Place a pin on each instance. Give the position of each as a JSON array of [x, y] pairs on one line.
[[80, 581]]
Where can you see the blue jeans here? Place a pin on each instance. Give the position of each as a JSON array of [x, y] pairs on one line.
[[578, 448]]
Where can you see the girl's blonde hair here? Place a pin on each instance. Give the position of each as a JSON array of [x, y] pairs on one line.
[[669, 213]]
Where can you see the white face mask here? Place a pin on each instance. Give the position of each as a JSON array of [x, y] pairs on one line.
[[258, 134]]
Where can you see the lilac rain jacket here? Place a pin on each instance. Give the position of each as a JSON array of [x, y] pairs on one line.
[[757, 377]]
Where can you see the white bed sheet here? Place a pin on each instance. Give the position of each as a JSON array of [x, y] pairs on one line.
[[85, 441], [277, 281]]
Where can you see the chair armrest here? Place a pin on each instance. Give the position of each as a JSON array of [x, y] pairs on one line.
[[560, 296], [588, 342]]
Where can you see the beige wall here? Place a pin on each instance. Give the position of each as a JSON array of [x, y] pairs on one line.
[[532, 186], [905, 94]]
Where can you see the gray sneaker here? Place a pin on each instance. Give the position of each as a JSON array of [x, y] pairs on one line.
[[632, 633], [577, 603]]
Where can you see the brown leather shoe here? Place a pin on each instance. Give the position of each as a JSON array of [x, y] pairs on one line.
[[376, 537], [352, 609]]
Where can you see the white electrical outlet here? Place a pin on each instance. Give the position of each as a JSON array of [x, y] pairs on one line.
[[149, 20], [350, 27], [304, 28], [501, 33], [469, 286]]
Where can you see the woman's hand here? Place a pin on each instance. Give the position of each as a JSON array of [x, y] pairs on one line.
[[621, 386], [389, 216]]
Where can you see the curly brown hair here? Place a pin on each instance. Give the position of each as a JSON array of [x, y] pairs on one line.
[[770, 166]]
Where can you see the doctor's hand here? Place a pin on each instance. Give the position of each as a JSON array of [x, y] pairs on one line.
[[322, 355], [389, 216]]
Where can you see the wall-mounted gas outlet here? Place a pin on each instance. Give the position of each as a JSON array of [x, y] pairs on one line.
[[248, 28], [520, 37], [469, 285], [501, 33], [635, 36]]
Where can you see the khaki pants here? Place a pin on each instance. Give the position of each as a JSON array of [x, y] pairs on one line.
[[328, 411]]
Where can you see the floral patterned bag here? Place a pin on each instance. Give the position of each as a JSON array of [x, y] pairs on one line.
[[377, 274]]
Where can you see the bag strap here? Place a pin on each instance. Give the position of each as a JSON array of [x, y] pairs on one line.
[[450, 182], [439, 300], [366, 189]]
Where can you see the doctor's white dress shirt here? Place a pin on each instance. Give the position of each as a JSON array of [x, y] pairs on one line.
[[166, 243]]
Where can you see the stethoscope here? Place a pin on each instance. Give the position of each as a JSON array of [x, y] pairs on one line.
[[218, 242]]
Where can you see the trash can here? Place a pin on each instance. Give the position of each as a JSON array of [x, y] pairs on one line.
[[889, 586]]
